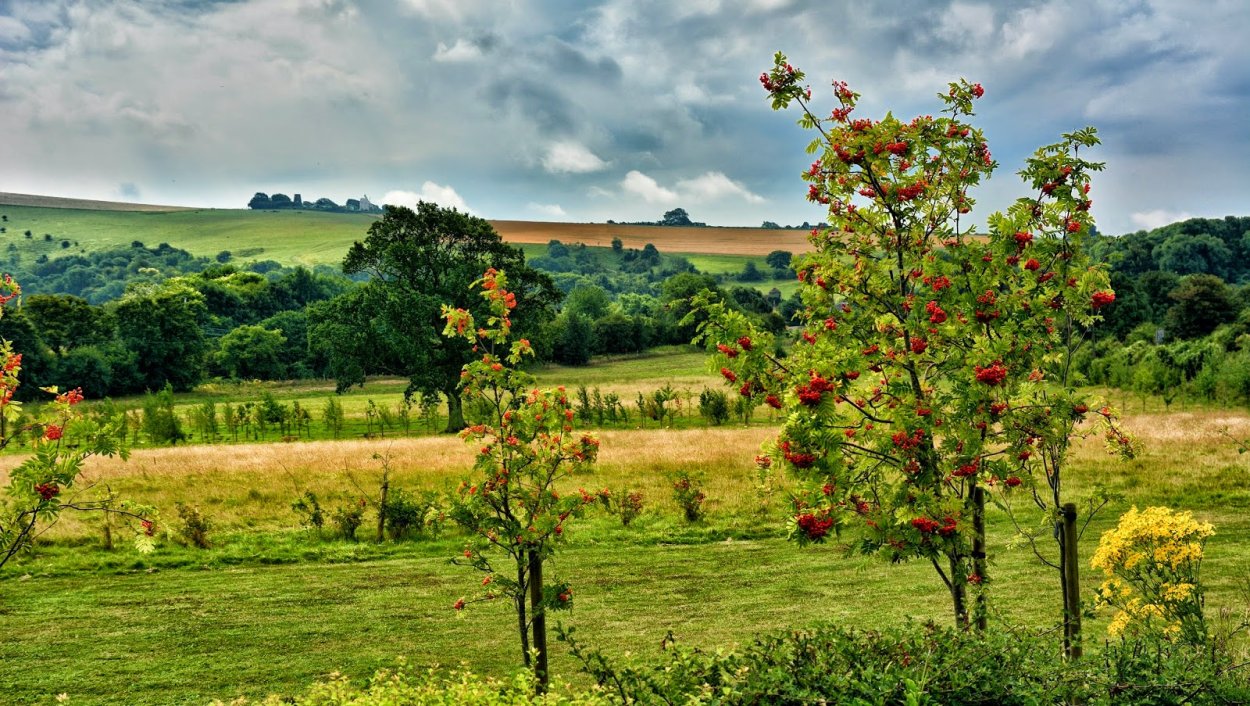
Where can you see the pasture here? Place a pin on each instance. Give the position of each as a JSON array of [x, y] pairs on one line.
[[270, 607]]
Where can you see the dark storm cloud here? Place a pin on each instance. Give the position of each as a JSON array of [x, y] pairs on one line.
[[603, 109]]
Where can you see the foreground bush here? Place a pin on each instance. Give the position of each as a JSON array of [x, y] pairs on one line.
[[404, 687], [921, 665]]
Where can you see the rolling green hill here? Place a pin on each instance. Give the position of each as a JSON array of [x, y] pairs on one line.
[[297, 237]]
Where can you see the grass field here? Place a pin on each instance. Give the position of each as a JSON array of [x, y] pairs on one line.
[[185, 626]]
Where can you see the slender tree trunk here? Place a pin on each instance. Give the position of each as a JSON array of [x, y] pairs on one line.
[[455, 411], [522, 623], [539, 620], [1070, 566], [386, 486], [959, 592], [981, 611]]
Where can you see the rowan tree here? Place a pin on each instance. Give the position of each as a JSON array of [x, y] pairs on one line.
[[526, 446], [925, 344]]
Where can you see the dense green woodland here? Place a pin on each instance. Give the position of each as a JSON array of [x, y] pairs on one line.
[[130, 319]]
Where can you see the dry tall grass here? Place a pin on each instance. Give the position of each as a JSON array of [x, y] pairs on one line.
[[1184, 460], [253, 485]]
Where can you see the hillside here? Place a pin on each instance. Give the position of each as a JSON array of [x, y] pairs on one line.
[[310, 238]]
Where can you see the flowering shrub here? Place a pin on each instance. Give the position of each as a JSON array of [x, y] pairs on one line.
[[924, 363], [526, 445], [630, 506], [61, 438], [1151, 560], [689, 496]]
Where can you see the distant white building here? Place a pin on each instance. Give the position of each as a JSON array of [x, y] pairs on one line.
[[366, 205]]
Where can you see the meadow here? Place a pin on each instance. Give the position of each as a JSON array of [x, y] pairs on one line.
[[270, 607]]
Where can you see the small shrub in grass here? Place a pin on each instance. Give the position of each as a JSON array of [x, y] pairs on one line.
[[193, 526], [689, 496], [407, 513], [310, 512], [630, 506], [347, 519], [714, 406]]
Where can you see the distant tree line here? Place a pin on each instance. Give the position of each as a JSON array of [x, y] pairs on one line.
[[262, 201], [1180, 323], [676, 217]]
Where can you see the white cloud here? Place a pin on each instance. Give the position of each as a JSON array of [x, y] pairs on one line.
[[459, 52], [13, 30], [571, 158], [547, 209], [1158, 218], [715, 185], [444, 196], [639, 184], [1032, 30], [966, 23]]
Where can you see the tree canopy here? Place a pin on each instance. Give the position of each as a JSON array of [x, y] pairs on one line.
[[418, 261]]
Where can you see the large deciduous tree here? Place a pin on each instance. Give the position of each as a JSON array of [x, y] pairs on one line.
[[420, 260], [162, 325]]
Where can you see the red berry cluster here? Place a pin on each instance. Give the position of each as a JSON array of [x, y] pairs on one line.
[[47, 491], [798, 459], [814, 526], [1101, 299], [811, 393], [992, 375]]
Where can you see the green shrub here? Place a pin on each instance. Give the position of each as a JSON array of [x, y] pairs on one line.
[[714, 406], [347, 519], [918, 665], [193, 526], [688, 494], [406, 513], [310, 512]]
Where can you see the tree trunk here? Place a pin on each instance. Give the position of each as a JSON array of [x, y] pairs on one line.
[[539, 620], [1070, 567], [386, 486], [959, 592], [522, 623], [981, 616], [455, 411]]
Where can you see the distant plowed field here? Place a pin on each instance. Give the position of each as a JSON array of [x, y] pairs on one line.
[[719, 241], [311, 237]]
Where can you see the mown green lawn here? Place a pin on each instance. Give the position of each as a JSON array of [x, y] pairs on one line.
[[271, 610]]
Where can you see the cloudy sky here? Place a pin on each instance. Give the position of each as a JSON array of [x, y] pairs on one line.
[[619, 109]]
